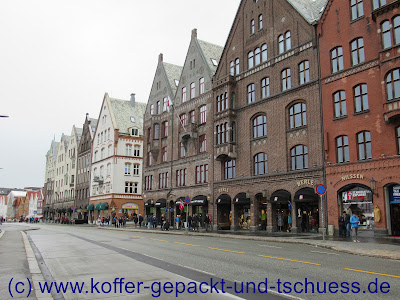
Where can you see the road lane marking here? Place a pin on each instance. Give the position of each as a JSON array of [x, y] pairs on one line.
[[159, 240], [140, 237], [187, 244], [271, 246], [300, 261], [152, 257], [325, 252], [194, 269], [225, 250], [396, 276], [281, 294]]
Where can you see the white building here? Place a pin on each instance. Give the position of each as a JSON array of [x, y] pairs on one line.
[[3, 202], [49, 181], [117, 151], [11, 203]]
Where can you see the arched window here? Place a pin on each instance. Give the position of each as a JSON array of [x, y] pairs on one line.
[[251, 59], [357, 51], [386, 35], [260, 164], [396, 29], [364, 145], [398, 139], [288, 41], [299, 155], [257, 56], [286, 79], [264, 53], [298, 115], [252, 26], [339, 99], [361, 97], [260, 22], [281, 44], [304, 71], [232, 68], [337, 59], [260, 126], [393, 84], [265, 88], [342, 149]]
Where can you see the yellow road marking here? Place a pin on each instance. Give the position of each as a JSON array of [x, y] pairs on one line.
[[159, 240], [372, 273], [187, 244], [124, 234], [224, 250], [304, 262], [141, 237]]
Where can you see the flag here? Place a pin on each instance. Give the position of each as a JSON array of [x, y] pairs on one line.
[[181, 205], [169, 103]]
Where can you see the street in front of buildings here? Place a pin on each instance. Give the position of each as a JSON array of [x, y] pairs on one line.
[[80, 253]]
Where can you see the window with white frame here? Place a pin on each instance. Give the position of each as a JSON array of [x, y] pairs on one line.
[[203, 114], [128, 169], [192, 90], [131, 187], [136, 150], [128, 150], [286, 79], [304, 71], [184, 94], [201, 86], [136, 168]]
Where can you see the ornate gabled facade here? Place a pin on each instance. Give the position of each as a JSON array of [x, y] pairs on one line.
[[267, 120], [60, 178], [117, 151], [83, 169], [178, 149], [49, 183]]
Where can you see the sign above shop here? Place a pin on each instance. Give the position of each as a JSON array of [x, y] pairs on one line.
[[305, 182], [394, 194], [352, 176]]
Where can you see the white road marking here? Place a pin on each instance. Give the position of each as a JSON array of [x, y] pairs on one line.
[[270, 246], [282, 294], [197, 270], [152, 257], [325, 252]]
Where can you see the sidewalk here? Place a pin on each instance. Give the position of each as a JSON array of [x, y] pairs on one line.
[[387, 247]]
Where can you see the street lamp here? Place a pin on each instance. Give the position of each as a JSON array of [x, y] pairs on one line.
[[373, 186]]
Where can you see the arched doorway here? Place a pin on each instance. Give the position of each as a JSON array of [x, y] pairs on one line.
[[224, 216], [280, 202], [242, 211], [260, 219], [160, 206], [307, 207], [200, 207], [149, 208], [394, 209], [179, 212]]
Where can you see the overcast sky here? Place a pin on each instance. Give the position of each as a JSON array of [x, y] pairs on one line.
[[58, 58]]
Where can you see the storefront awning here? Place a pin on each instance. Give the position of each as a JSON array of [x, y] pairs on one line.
[[161, 203], [280, 196], [199, 201], [90, 206], [305, 195], [104, 206], [97, 207], [224, 200], [148, 204], [240, 199]]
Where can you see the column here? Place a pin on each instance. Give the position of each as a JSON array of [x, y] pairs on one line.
[[269, 217]]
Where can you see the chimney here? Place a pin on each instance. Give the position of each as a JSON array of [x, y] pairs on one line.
[[160, 58], [132, 100], [194, 33]]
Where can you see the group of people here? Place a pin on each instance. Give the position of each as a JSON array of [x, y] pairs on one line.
[[193, 222], [346, 223]]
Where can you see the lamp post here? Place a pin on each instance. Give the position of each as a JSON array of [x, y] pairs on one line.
[[373, 186]]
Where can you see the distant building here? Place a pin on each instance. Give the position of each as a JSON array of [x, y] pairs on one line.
[[3, 201], [49, 182]]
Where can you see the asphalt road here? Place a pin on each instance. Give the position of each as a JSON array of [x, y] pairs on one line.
[[80, 253]]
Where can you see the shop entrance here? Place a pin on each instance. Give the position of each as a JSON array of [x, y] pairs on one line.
[[149, 208], [200, 207], [224, 216], [242, 211], [160, 207], [261, 218], [394, 201], [307, 210], [280, 201]]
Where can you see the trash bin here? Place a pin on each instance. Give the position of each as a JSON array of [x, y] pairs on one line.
[[331, 230]]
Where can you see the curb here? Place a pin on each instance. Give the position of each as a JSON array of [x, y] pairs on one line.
[[255, 238], [2, 232]]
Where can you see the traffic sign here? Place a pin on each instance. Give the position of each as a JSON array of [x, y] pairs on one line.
[[187, 200], [320, 189]]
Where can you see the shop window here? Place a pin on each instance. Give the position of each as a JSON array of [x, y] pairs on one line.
[[364, 145]]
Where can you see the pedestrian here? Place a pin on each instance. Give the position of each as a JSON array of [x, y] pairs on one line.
[[150, 222], [207, 222], [162, 221], [195, 223], [347, 223], [264, 220], [177, 222], [342, 227], [355, 222], [140, 220], [135, 220]]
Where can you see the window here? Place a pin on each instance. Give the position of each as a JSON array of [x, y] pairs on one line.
[[260, 22], [181, 177], [264, 53], [398, 139], [202, 143], [396, 30], [192, 117], [148, 134], [152, 109], [148, 183], [158, 108], [378, 3], [163, 180], [357, 51], [257, 56], [386, 35], [182, 150], [232, 68], [192, 90], [342, 149], [127, 169], [229, 169], [102, 153], [156, 134], [260, 126], [281, 44], [299, 155], [165, 103], [136, 169], [184, 94], [136, 150], [284, 42], [357, 9], [202, 174], [337, 59], [265, 87], [393, 84], [108, 169], [288, 42], [339, 99], [286, 80], [252, 26], [297, 115], [164, 154], [364, 145], [361, 97], [251, 94], [250, 57], [260, 164], [222, 134], [203, 114], [131, 187], [149, 158], [237, 66], [304, 70], [201, 85], [165, 128], [128, 150], [134, 132], [222, 102], [183, 120]]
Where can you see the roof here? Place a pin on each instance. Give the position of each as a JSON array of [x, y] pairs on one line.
[[311, 10], [211, 51], [173, 73], [123, 111], [78, 131], [4, 191]]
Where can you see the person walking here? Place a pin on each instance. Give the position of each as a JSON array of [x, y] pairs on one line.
[[177, 222], [342, 227], [140, 220], [355, 223], [207, 222], [347, 223]]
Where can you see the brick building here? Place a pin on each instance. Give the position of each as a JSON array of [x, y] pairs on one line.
[[359, 50], [179, 136], [267, 119]]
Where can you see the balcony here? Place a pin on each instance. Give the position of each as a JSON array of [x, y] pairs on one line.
[[226, 151], [392, 111], [188, 131]]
